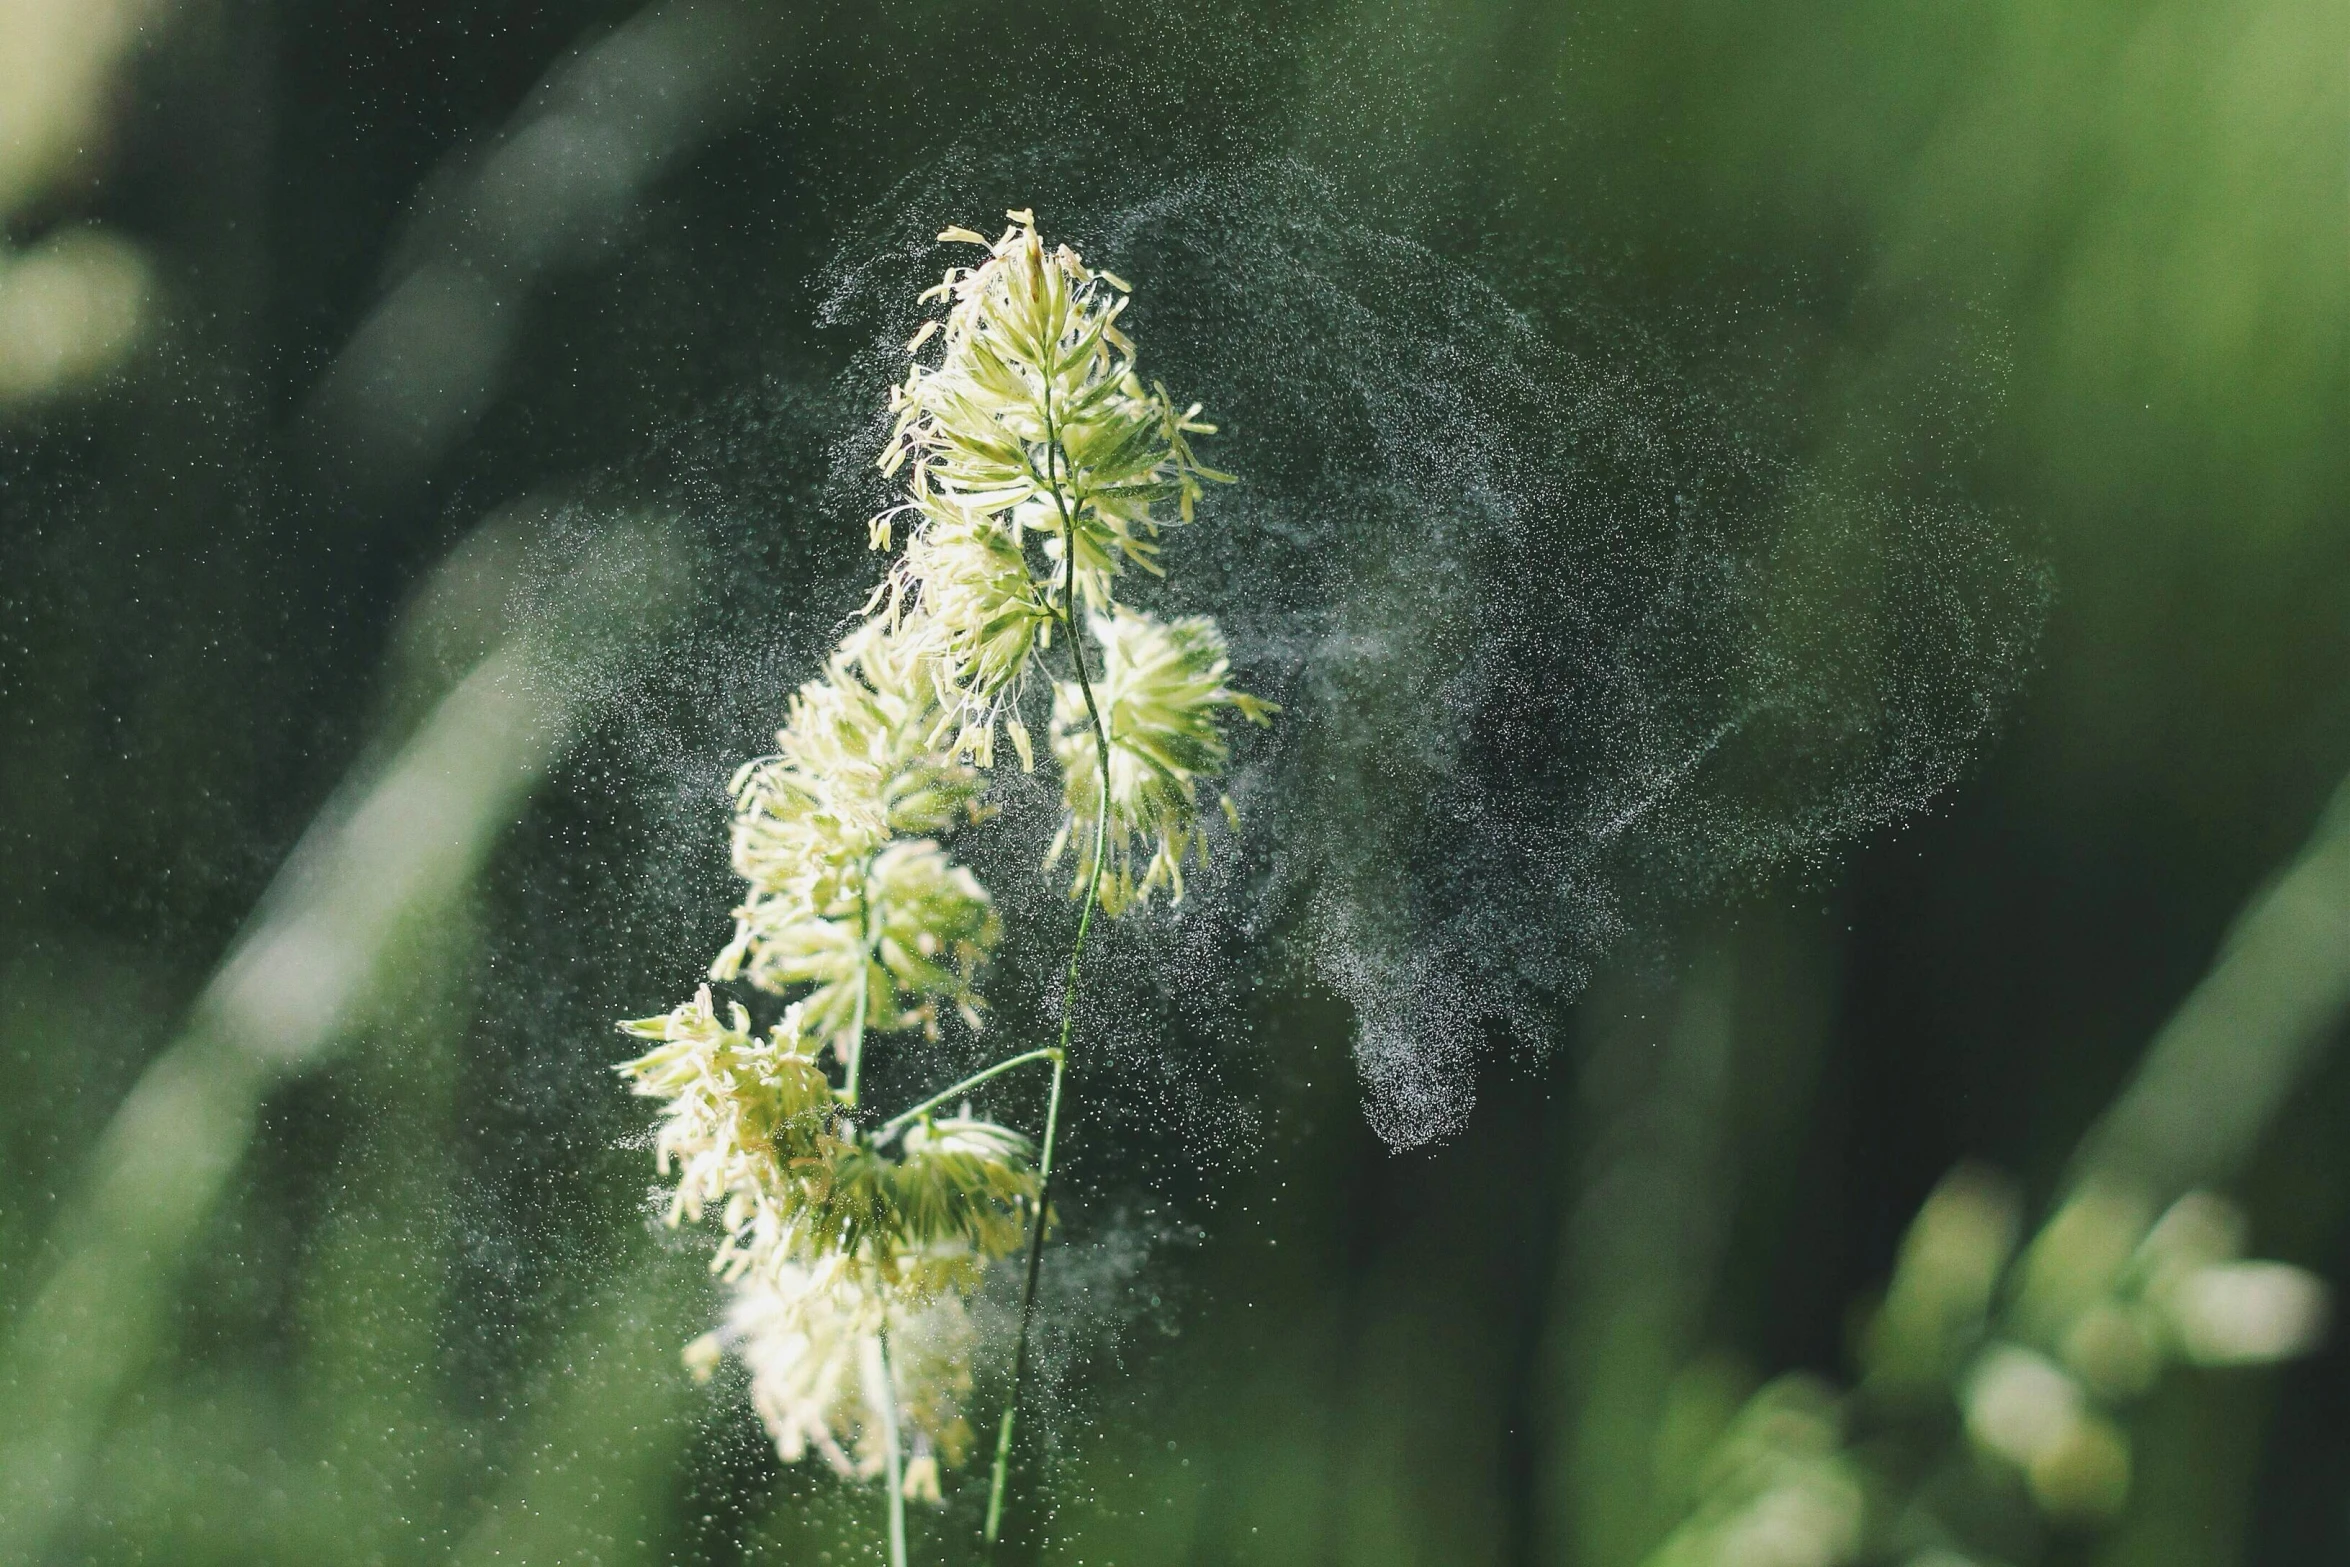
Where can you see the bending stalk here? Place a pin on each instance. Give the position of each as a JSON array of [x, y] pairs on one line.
[[1044, 1193], [1093, 886], [905, 1118]]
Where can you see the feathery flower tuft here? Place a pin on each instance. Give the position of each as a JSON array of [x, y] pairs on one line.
[[856, 764], [907, 931], [982, 615], [741, 1111], [1160, 692], [882, 925], [851, 1262], [812, 1340], [753, 1130], [960, 1195], [1033, 421]]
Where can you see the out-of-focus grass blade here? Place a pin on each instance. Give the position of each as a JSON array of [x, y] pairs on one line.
[[2259, 1021], [395, 849]]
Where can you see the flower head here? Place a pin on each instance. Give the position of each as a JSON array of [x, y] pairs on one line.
[[981, 615], [958, 1197], [852, 1261], [856, 764], [1161, 693], [753, 1130], [907, 931], [882, 925], [1033, 421], [831, 1354], [742, 1111]]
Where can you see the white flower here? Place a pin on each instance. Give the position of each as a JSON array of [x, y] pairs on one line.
[[1160, 694], [1032, 422], [959, 1194], [882, 926], [909, 930], [813, 1341], [740, 1110]]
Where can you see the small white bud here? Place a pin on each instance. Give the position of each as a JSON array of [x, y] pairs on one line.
[[2019, 1405], [2247, 1313]]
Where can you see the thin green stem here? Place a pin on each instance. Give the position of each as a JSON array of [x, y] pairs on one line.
[[1069, 990], [1093, 713], [1044, 1196], [894, 1472], [906, 1118]]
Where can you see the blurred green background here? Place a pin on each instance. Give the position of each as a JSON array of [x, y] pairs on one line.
[[294, 297]]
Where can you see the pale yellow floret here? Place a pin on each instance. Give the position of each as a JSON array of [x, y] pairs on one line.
[[856, 764], [812, 1339], [899, 934], [1031, 427], [841, 896], [980, 617], [1160, 692], [752, 1132], [741, 1110]]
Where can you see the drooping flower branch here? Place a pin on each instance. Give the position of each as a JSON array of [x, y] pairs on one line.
[[1037, 467]]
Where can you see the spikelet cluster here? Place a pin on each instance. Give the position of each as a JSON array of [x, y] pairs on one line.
[[1037, 466], [1159, 695], [741, 1114], [848, 891], [833, 1244], [831, 1357]]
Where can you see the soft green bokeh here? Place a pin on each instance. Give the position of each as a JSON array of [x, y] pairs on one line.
[[396, 1307]]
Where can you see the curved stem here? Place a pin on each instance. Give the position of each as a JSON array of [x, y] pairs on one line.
[[894, 1472], [905, 1118], [1044, 1197], [1093, 887]]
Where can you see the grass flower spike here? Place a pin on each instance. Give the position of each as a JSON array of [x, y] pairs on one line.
[[2027, 1365], [1161, 692], [882, 925], [741, 1111], [836, 1362], [1032, 424], [1038, 466], [984, 615], [881, 956], [958, 1196], [754, 1130]]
